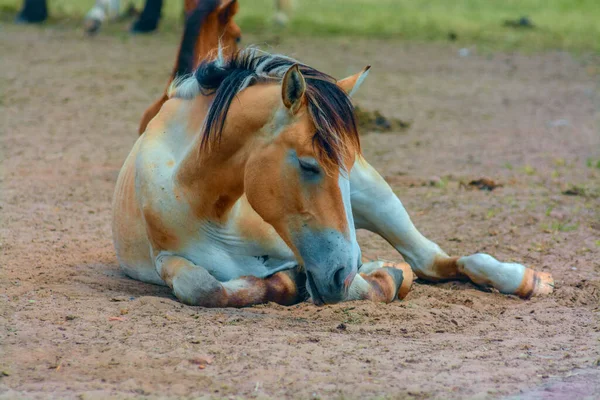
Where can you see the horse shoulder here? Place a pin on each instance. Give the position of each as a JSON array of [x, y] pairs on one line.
[[161, 149]]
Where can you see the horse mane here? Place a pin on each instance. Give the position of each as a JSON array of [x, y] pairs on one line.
[[329, 107], [186, 57]]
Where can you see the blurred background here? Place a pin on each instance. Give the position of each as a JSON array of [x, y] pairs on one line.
[[551, 24]]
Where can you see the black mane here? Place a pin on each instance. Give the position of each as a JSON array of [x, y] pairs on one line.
[[329, 106]]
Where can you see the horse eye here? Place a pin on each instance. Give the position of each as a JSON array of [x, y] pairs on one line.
[[310, 166], [238, 39]]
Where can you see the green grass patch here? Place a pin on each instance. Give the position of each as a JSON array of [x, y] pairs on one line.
[[558, 24], [557, 226], [528, 170], [590, 163]]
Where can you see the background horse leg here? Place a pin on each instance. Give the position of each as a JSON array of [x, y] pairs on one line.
[[33, 11], [378, 209], [149, 18], [381, 281], [195, 286], [283, 11], [102, 10]]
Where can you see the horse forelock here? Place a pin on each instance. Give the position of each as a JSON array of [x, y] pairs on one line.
[[329, 107]]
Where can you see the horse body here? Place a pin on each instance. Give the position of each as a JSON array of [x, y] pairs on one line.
[[248, 187], [155, 197]]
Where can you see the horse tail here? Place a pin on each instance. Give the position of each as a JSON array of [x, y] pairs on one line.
[[186, 57]]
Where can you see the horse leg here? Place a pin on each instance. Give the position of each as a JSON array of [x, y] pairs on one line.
[[149, 18], [195, 286], [283, 10], [33, 11], [102, 10], [381, 281], [378, 209]]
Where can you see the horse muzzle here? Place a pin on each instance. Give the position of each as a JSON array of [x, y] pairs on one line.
[[331, 261], [329, 287]]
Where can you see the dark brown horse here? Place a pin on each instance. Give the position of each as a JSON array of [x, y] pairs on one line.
[[209, 23]]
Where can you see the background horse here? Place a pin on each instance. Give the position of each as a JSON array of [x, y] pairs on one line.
[[234, 203], [147, 21], [207, 25], [149, 18]]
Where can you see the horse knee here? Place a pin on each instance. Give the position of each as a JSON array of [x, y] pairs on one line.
[[196, 287], [191, 284]]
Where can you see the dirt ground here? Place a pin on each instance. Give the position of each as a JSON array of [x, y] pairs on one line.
[[70, 108]]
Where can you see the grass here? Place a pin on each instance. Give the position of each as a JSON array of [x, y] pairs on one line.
[[591, 164], [559, 24]]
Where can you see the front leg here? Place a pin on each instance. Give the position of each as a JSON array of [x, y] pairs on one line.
[[381, 281], [195, 286], [377, 209]]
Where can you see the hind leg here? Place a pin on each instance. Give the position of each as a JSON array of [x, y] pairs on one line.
[[194, 285], [378, 209]]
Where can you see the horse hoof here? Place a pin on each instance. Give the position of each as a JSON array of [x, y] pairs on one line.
[[407, 281], [535, 283], [407, 278], [544, 284], [92, 26]]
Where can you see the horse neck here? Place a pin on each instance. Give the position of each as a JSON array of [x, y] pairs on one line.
[[213, 177]]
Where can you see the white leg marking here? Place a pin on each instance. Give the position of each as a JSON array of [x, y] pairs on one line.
[[484, 269], [377, 209]]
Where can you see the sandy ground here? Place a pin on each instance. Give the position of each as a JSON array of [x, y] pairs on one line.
[[70, 108]]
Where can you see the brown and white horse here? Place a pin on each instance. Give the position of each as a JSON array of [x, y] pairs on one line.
[[248, 187]]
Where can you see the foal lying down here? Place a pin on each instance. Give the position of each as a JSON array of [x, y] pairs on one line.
[[249, 185]]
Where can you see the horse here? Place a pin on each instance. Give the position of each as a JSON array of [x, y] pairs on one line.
[[209, 23], [249, 185], [147, 20], [150, 16]]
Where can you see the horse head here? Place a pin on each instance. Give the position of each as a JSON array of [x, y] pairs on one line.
[[298, 180], [219, 29], [285, 135]]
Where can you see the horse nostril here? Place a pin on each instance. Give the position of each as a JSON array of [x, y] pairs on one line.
[[339, 276]]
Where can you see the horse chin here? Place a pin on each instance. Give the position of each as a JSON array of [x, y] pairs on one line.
[[313, 292]]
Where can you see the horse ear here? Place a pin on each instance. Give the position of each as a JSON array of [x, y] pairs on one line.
[[227, 11], [293, 87], [351, 84]]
